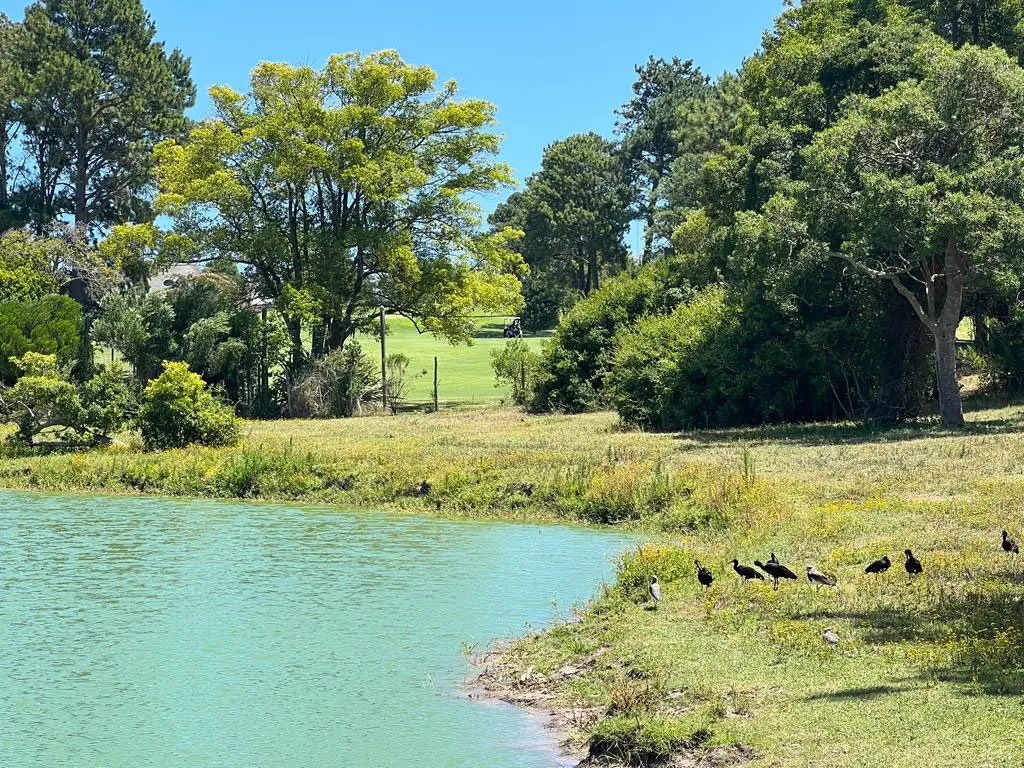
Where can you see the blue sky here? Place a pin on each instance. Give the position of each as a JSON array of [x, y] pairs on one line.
[[553, 68]]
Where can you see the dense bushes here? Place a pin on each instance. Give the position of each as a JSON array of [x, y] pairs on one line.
[[731, 356], [343, 383], [177, 409], [51, 325], [516, 366], [579, 357], [664, 368], [45, 403]]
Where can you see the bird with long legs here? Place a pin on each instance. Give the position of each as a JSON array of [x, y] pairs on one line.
[[655, 590], [775, 570], [819, 579]]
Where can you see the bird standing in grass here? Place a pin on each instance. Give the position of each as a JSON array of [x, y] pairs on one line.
[[819, 579], [913, 565], [776, 570], [1009, 545], [830, 636], [704, 575], [746, 572], [879, 566], [655, 590]]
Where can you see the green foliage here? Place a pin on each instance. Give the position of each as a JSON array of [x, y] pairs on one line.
[[51, 325], [107, 401], [177, 409], [666, 368], [572, 216], [27, 266], [654, 128], [516, 367], [44, 401], [1005, 369], [629, 740], [578, 358], [96, 94], [370, 164], [139, 325]]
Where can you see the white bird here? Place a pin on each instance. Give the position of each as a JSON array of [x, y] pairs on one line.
[[830, 636], [655, 590]]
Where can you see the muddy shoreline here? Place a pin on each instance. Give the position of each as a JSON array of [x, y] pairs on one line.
[[497, 681]]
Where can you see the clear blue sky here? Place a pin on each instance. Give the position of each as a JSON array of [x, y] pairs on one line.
[[552, 68]]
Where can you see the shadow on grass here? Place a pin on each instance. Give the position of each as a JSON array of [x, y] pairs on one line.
[[973, 635], [851, 433], [865, 692]]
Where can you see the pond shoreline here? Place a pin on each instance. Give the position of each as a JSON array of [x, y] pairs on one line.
[[562, 724]]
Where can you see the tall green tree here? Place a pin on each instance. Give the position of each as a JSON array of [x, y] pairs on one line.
[[10, 84], [650, 125], [921, 188], [344, 190], [98, 93], [574, 213]]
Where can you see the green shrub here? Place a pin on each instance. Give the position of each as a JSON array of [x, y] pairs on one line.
[[577, 359], [51, 325], [516, 366], [107, 400], [662, 367], [635, 740], [178, 409], [1005, 366], [43, 400]]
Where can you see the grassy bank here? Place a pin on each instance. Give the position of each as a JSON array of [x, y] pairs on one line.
[[929, 671], [483, 463]]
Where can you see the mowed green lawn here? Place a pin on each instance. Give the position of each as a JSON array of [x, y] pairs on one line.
[[465, 374]]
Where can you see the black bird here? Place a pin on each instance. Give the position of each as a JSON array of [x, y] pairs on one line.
[[704, 575], [913, 565], [879, 566], [819, 579], [1009, 545], [745, 571], [776, 570]]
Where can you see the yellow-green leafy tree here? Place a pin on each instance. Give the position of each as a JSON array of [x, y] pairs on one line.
[[342, 190]]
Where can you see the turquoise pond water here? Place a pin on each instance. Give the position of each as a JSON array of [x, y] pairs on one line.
[[154, 632]]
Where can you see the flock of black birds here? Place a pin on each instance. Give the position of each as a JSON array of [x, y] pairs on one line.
[[776, 571]]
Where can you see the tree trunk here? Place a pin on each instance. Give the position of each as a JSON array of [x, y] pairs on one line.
[[295, 331], [4, 142], [649, 232], [81, 180], [950, 404], [593, 273]]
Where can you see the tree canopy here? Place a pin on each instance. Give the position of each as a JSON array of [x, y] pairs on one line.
[[344, 190]]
